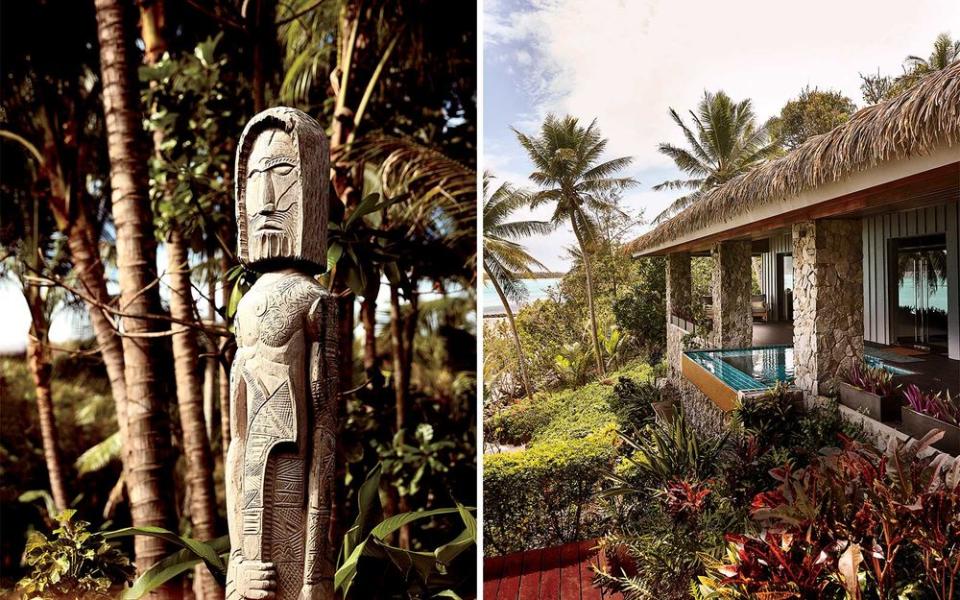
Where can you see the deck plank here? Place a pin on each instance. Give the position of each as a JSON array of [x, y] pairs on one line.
[[550, 574], [530, 578], [570, 572], [588, 556], [510, 577], [492, 571]]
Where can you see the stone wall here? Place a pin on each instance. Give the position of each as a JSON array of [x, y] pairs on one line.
[[828, 302], [679, 286], [732, 319], [701, 413], [675, 337]]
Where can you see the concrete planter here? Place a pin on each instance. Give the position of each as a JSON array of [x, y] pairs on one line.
[[665, 410], [876, 407], [917, 425]]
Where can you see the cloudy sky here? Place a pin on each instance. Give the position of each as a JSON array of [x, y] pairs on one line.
[[626, 62]]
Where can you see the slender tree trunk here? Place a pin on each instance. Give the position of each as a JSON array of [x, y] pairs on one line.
[[401, 386], [400, 383], [225, 363], [593, 313], [147, 454], [87, 266], [38, 358], [368, 316], [211, 368], [513, 330], [196, 445], [73, 218]]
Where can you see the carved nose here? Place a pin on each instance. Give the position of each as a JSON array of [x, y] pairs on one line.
[[269, 201]]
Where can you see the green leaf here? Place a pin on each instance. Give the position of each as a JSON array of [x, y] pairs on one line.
[[201, 549], [235, 296], [99, 455], [334, 252], [175, 564], [366, 206], [391, 524]]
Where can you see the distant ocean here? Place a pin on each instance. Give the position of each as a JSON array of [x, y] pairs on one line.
[[536, 289]]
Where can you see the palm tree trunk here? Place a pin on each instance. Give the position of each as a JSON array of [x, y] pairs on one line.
[[85, 256], [74, 220], [196, 445], [400, 383], [38, 358], [147, 454], [513, 330], [593, 313]]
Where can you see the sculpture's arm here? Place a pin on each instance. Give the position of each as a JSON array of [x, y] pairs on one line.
[[234, 474], [318, 563]]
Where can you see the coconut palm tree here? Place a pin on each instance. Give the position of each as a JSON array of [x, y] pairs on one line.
[[725, 141], [566, 156], [146, 460], [945, 51], [504, 260]]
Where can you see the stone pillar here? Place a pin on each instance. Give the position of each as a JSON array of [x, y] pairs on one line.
[[827, 302], [679, 304], [679, 286], [732, 320]]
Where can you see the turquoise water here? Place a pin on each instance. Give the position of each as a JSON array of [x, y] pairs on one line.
[[536, 289], [749, 369]]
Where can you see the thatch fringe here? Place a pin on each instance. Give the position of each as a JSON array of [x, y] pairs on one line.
[[924, 118]]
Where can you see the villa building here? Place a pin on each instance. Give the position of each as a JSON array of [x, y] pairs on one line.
[[857, 233]]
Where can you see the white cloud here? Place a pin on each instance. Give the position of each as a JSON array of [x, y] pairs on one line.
[[627, 62]]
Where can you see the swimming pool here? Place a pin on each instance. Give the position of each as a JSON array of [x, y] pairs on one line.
[[723, 373]]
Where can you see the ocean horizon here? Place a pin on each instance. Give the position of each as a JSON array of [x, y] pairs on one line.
[[537, 289]]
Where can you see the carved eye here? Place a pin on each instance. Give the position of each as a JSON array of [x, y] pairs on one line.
[[282, 169]]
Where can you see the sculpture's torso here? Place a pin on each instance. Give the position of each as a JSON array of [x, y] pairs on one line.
[[268, 470]]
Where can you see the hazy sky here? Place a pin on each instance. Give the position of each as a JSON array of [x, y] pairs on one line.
[[626, 63]]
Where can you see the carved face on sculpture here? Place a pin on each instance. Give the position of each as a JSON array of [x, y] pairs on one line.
[[282, 180], [273, 196]]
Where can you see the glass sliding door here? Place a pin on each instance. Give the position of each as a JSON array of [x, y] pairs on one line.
[[785, 287], [919, 311]]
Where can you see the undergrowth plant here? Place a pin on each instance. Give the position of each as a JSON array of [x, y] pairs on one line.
[[73, 562]]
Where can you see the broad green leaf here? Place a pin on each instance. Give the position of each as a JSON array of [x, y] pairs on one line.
[[366, 206], [334, 252], [99, 455], [201, 549], [175, 564]]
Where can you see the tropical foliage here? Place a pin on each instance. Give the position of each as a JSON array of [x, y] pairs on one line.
[[394, 85], [723, 141]]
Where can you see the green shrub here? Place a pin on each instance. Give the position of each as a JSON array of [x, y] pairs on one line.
[[540, 496], [573, 413], [74, 563], [632, 402]]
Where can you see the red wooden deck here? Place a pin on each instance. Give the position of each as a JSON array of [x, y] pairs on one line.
[[561, 573]]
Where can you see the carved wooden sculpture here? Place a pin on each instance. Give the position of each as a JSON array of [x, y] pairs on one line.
[[280, 462]]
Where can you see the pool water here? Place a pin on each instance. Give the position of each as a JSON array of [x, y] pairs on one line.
[[760, 368]]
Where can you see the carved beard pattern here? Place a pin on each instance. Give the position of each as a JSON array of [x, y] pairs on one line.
[[270, 244]]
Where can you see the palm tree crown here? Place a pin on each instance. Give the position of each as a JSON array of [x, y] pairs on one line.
[[945, 51], [724, 142], [504, 258], [566, 158]]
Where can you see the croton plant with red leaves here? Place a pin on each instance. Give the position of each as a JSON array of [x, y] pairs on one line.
[[854, 510]]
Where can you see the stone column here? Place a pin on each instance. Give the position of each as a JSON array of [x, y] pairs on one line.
[[679, 304], [827, 302], [732, 320]]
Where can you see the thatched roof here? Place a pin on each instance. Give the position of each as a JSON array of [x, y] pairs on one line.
[[924, 118]]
